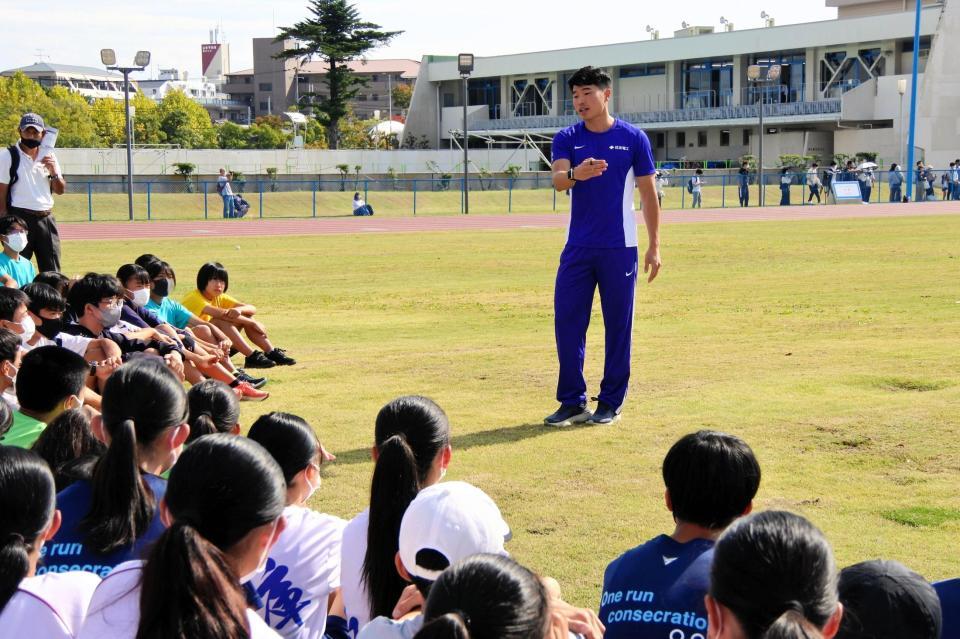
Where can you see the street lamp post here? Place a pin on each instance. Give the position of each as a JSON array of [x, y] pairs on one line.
[[465, 66], [756, 75], [901, 89], [140, 62]]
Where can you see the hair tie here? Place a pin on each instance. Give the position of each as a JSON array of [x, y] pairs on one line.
[[464, 617], [14, 538], [795, 606]]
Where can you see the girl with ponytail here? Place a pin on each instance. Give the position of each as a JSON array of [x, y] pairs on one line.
[[214, 408], [223, 506], [302, 574], [411, 451], [113, 517], [50, 606], [773, 577]]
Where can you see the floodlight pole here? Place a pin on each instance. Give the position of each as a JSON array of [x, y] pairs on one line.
[[760, 150], [913, 103], [129, 126], [465, 67]]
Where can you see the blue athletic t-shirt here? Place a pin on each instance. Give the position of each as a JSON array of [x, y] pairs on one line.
[[657, 588], [67, 550], [601, 208], [949, 592]]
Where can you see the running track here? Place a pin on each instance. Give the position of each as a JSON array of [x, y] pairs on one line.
[[347, 225]]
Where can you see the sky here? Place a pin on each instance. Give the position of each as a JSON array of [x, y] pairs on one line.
[[71, 32]]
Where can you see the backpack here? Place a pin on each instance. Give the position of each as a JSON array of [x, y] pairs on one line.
[[220, 186], [14, 166], [690, 185]]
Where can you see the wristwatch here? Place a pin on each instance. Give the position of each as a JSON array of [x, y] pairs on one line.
[[570, 175], [53, 177]]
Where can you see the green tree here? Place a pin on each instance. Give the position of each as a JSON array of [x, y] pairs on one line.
[[264, 136], [73, 119], [186, 123], [315, 134], [18, 95], [232, 136], [336, 35], [108, 119], [146, 121], [402, 93]]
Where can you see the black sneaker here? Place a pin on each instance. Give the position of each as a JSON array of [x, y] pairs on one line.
[[567, 415], [257, 359], [605, 414], [256, 382], [279, 356]]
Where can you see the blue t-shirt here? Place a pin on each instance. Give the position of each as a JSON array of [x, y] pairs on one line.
[[656, 589], [67, 550], [21, 269], [170, 312], [949, 592], [601, 209]]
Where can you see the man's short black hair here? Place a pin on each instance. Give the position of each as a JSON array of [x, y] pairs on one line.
[[56, 279], [7, 222], [712, 477], [588, 76], [212, 271], [48, 375], [44, 297], [92, 288], [9, 345], [10, 301], [699, 171]]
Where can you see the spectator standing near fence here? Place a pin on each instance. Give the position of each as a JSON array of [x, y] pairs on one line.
[[27, 186], [866, 184], [785, 180], [813, 182], [895, 181], [828, 176], [226, 192], [956, 180], [696, 187], [743, 182]]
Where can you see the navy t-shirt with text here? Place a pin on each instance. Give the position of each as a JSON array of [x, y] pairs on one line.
[[655, 591], [601, 208], [949, 593], [67, 551]]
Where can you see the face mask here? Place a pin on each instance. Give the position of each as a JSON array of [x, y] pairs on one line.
[[162, 288], [50, 327], [110, 316], [29, 328], [30, 144], [12, 379], [17, 241], [141, 297], [263, 558], [310, 485]]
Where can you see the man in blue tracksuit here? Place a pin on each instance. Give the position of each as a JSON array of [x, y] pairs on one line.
[[600, 159]]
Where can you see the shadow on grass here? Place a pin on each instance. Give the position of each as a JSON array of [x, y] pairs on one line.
[[504, 435]]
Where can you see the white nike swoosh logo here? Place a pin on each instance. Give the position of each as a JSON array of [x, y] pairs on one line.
[[577, 148], [631, 273], [668, 560]]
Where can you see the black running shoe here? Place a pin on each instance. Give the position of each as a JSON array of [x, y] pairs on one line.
[[257, 359], [567, 415], [279, 356], [256, 382], [605, 414]]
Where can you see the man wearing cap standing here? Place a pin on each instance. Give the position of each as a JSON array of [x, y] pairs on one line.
[[26, 190]]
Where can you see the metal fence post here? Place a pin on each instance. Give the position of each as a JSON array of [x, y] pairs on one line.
[[510, 195], [414, 197], [149, 189], [366, 189], [90, 201], [205, 211], [683, 195], [260, 189], [316, 185], [723, 192]]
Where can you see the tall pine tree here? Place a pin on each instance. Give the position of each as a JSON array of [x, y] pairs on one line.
[[334, 34]]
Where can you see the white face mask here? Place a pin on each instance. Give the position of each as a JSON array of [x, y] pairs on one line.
[[310, 485], [141, 297], [29, 328], [12, 379], [17, 241], [263, 558]]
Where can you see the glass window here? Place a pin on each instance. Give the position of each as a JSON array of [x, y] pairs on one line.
[[661, 140], [485, 91], [642, 70], [362, 97], [793, 68], [707, 83], [724, 138], [266, 86], [375, 78], [681, 139], [701, 138], [375, 97], [746, 137]]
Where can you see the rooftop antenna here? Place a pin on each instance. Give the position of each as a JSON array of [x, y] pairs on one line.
[[684, 24], [654, 33], [727, 25], [767, 19]]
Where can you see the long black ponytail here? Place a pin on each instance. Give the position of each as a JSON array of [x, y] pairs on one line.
[[410, 432], [27, 501], [221, 488], [141, 399]]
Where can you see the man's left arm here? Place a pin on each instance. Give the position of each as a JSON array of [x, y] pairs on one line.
[[650, 204], [57, 182]]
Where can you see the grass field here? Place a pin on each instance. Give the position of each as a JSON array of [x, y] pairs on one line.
[[831, 347], [75, 205]]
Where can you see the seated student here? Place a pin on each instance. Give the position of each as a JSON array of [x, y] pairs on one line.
[[360, 207], [302, 573], [210, 302], [214, 408], [114, 516], [224, 507], [14, 315], [10, 357], [489, 597], [50, 381], [773, 575], [56, 279], [887, 600], [95, 302], [69, 447], [949, 593], [16, 271], [50, 606], [711, 479], [411, 451]]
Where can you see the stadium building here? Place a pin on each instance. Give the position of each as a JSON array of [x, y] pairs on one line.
[[89, 82], [839, 90]]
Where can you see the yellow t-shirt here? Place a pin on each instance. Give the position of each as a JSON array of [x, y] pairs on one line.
[[194, 301]]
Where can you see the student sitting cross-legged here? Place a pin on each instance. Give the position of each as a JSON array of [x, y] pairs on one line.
[[16, 271], [211, 303], [711, 479], [11, 355]]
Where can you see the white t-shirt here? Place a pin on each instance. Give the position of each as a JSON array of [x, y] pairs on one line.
[[697, 184], [114, 612], [302, 570], [32, 190], [75, 343], [49, 606], [352, 552], [384, 628], [358, 203]]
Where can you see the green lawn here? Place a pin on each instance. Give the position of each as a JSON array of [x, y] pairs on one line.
[[831, 347], [76, 204]]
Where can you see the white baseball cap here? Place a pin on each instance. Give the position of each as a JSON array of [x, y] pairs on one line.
[[454, 519]]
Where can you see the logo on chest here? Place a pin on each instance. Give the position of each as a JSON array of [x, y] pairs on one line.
[[619, 147]]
